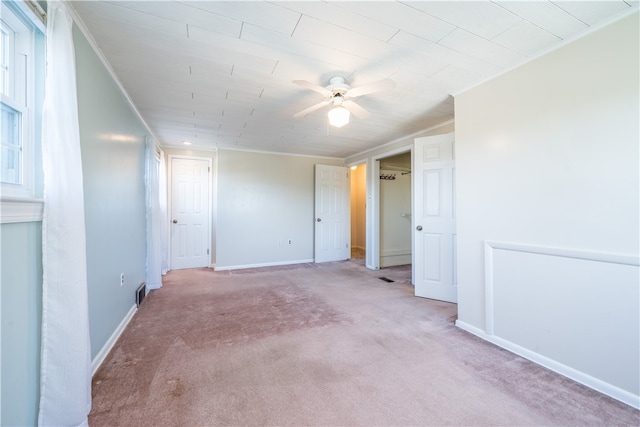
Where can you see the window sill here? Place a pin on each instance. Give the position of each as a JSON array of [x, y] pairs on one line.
[[17, 209]]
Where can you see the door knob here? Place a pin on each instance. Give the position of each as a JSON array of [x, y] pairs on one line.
[[419, 228], [318, 219], [175, 221]]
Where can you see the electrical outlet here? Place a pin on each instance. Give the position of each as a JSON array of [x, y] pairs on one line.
[[121, 279]]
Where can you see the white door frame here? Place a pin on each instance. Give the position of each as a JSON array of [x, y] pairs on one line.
[[373, 208], [364, 161], [211, 200]]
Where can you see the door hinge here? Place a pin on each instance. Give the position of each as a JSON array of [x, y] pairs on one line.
[[209, 169], [207, 251]]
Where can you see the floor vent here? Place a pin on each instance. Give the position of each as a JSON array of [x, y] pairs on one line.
[[141, 292], [386, 279]]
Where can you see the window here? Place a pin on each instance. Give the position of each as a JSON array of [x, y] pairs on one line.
[[21, 94], [5, 42], [11, 145]]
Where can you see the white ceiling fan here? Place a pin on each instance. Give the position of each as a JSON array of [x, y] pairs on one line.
[[339, 94]]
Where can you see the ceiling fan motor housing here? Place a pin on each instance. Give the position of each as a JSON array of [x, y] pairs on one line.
[[338, 86]]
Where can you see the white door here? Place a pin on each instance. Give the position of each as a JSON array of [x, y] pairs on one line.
[[190, 235], [434, 218], [332, 213]]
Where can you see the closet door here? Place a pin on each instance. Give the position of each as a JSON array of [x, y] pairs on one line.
[[190, 213]]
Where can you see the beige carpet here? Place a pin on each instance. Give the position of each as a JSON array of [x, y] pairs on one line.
[[322, 345]]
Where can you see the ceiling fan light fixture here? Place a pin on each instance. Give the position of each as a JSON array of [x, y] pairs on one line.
[[338, 116]]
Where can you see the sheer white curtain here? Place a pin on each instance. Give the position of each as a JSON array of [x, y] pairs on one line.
[[164, 215], [65, 377], [154, 217]]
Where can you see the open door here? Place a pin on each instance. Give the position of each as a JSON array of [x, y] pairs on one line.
[[332, 213], [434, 218]]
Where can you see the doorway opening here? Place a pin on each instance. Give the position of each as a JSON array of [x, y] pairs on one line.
[[359, 212], [395, 191]]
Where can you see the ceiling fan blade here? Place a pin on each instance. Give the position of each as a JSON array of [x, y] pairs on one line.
[[314, 87], [312, 108], [380, 85], [357, 110]]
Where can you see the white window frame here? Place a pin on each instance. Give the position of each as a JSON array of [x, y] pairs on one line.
[[19, 201], [8, 54]]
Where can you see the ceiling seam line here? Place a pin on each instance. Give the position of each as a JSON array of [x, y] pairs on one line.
[[295, 27], [522, 19], [569, 13]]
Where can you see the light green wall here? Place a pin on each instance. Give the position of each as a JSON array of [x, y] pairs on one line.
[[112, 140], [21, 279], [264, 200]]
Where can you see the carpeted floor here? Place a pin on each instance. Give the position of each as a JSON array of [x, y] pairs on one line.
[[322, 345]]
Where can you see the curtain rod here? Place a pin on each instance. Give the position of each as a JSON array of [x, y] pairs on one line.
[[37, 9]]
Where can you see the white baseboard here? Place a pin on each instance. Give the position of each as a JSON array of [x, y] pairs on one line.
[[578, 376], [97, 361], [391, 258], [266, 264]]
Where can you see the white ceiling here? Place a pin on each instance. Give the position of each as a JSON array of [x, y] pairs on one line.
[[219, 74]]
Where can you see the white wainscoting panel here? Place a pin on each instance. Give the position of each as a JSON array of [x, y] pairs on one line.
[[578, 309]]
